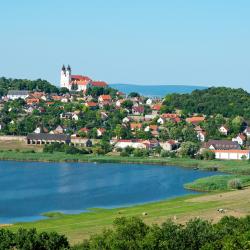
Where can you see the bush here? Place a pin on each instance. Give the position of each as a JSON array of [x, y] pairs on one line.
[[31, 239], [234, 184], [124, 154]]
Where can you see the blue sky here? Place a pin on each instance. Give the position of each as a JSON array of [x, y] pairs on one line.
[[159, 42]]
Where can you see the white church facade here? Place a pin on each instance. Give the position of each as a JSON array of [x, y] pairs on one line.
[[78, 82]]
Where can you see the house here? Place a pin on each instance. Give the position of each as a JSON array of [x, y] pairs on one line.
[[150, 117], [66, 116], [139, 110], [169, 117], [100, 131], [240, 139], [149, 101], [75, 117], [195, 120], [119, 103], [56, 97], [37, 94], [232, 154], [201, 135], [135, 126], [16, 94], [104, 98], [247, 132], [104, 116], [156, 108], [84, 142], [122, 144], [221, 145], [125, 120], [121, 94], [32, 100], [40, 130], [84, 130], [136, 143], [91, 105], [151, 128], [43, 138], [170, 145], [224, 130], [58, 130]]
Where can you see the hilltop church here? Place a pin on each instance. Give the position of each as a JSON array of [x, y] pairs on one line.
[[78, 82]]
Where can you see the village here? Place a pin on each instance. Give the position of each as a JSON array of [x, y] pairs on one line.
[[90, 114]]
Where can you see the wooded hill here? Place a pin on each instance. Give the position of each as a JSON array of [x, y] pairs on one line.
[[221, 100], [7, 84]]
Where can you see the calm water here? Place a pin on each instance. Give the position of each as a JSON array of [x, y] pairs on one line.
[[154, 90], [28, 189]]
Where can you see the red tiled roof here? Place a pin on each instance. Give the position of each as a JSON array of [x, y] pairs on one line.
[[80, 78], [99, 84], [195, 119], [91, 104], [105, 97], [168, 115], [156, 107]]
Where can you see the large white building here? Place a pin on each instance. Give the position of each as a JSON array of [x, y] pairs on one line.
[[77, 82], [232, 154]]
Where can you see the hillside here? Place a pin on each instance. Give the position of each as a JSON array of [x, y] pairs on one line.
[[226, 101], [155, 90], [24, 84]]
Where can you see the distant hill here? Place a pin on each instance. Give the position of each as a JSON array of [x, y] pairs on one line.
[[155, 90], [228, 102]]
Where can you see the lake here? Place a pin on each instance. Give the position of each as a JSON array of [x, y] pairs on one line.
[[28, 189], [154, 90]]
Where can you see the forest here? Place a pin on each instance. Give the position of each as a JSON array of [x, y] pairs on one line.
[[220, 100], [7, 84]]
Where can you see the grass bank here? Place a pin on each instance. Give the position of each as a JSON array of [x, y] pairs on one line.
[[218, 183], [232, 167]]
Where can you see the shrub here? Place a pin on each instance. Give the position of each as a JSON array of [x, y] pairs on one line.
[[234, 184]]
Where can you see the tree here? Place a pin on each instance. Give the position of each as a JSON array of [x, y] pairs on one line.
[[133, 94], [188, 149]]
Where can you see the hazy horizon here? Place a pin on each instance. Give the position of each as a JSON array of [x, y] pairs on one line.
[[143, 42]]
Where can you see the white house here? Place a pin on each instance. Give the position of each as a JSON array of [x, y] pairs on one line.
[[38, 130], [223, 130], [161, 121], [16, 94], [130, 143], [240, 138], [149, 101], [201, 135], [247, 132], [232, 154]]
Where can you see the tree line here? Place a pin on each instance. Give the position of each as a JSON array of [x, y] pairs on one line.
[[131, 233], [216, 100]]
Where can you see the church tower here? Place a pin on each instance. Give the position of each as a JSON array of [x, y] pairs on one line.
[[65, 77]]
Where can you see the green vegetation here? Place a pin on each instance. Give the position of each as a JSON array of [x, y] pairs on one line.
[[219, 182], [225, 101], [132, 233], [7, 84], [53, 214], [30, 239]]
